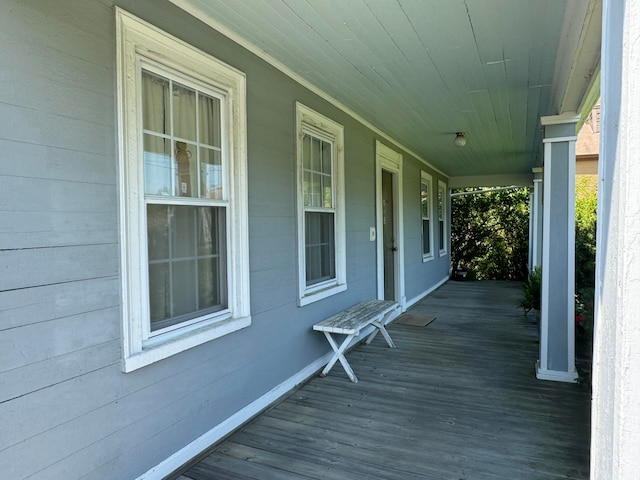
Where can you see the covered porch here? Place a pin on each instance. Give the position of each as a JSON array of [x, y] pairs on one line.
[[458, 399]]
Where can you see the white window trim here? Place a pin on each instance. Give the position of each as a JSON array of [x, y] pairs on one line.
[[428, 180], [443, 251], [137, 40], [308, 120]]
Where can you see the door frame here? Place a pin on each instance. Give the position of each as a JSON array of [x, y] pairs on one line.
[[390, 161]]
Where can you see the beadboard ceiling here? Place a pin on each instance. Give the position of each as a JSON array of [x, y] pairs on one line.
[[421, 70]]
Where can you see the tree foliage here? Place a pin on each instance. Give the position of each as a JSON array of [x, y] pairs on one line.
[[586, 202], [490, 233]]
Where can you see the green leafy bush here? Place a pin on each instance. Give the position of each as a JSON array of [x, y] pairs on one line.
[[532, 290], [586, 202]]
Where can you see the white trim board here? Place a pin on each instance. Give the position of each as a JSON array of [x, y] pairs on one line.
[[555, 375], [196, 12], [200, 444], [572, 138], [567, 117]]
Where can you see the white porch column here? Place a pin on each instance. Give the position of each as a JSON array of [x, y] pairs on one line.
[[557, 315], [535, 218], [616, 368]]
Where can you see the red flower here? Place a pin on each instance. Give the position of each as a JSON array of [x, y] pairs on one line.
[[579, 318]]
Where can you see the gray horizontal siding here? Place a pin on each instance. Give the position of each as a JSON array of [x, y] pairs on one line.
[[42, 304], [38, 375], [59, 262], [36, 267], [38, 342], [63, 164], [66, 409]]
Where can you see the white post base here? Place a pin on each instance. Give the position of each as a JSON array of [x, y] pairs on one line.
[[556, 375]]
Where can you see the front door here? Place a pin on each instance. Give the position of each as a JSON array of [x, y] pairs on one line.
[[389, 224], [388, 236]]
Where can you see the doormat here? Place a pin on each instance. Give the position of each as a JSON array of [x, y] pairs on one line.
[[414, 320]]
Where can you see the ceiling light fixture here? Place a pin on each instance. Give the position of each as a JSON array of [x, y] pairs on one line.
[[460, 140]]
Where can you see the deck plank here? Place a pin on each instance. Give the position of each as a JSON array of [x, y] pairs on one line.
[[457, 399]]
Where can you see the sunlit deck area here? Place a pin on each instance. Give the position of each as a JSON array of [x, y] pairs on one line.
[[456, 400]]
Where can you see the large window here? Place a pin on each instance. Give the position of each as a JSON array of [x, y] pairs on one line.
[[426, 189], [183, 194], [320, 206], [442, 218]]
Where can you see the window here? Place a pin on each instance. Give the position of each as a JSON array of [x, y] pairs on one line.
[[425, 203], [321, 238], [183, 194], [442, 216]]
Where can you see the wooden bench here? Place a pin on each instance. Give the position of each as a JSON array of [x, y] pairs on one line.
[[349, 322]]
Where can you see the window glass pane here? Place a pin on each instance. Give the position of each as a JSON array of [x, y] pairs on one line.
[[187, 168], [424, 195], [210, 173], [183, 231], [319, 247], [327, 192], [211, 225], [158, 232], [440, 204], [209, 117], [326, 158], [157, 165], [184, 287], [155, 103], [315, 190], [210, 278], [305, 187], [212, 266], [306, 152], [159, 292], [187, 262], [426, 237], [184, 112], [441, 234], [316, 154]]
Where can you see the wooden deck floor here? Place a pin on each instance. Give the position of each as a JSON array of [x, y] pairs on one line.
[[457, 400]]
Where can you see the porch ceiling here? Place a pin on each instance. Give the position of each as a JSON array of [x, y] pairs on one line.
[[422, 70]]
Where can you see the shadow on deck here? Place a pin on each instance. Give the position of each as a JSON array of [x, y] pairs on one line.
[[457, 400]]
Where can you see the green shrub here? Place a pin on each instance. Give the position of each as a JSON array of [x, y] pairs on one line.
[[532, 291], [586, 202]]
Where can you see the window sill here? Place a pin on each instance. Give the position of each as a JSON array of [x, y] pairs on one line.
[[320, 294], [427, 258], [442, 253], [180, 340]]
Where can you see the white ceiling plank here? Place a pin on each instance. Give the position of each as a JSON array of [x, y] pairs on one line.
[[419, 70]]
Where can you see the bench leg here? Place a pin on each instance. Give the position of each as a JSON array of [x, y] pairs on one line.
[[339, 355], [380, 328], [379, 324]]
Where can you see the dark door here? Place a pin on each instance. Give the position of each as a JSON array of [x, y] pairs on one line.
[[388, 236]]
